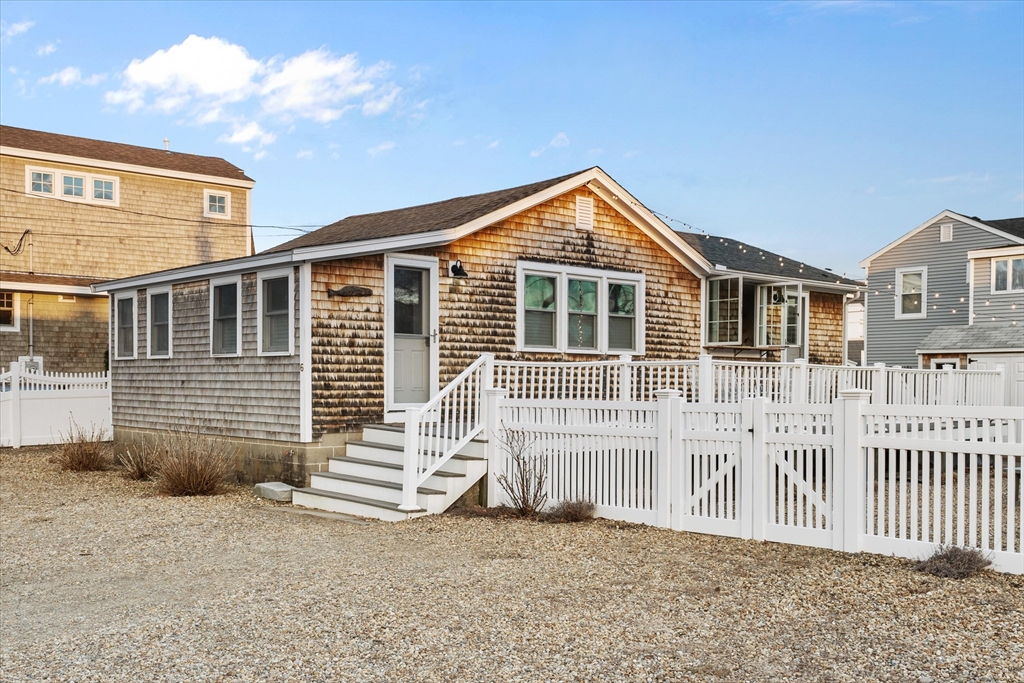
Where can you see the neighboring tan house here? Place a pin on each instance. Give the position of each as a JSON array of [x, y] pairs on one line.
[[289, 352], [77, 211]]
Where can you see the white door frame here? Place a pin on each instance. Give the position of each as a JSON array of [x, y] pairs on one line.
[[392, 410]]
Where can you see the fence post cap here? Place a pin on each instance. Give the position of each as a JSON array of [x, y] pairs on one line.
[[855, 394], [495, 391], [879, 365], [626, 357], [667, 393]]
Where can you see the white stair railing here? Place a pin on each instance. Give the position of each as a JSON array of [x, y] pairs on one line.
[[440, 428]]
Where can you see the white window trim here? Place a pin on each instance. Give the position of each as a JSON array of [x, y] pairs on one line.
[[562, 275], [898, 308], [206, 204], [217, 282], [87, 189], [135, 325], [707, 313], [937, 363], [170, 321], [272, 275], [15, 325], [1009, 275]]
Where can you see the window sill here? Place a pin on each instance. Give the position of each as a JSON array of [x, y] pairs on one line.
[[276, 353], [910, 316]]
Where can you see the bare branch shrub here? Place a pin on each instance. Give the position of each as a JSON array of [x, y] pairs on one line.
[[192, 464], [569, 512], [83, 449], [139, 463], [953, 562], [525, 482]]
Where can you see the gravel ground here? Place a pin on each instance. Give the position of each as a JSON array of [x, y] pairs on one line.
[[102, 580]]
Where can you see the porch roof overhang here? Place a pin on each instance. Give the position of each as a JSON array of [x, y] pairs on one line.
[[809, 285]]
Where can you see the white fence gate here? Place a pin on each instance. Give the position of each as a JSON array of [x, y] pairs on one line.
[[853, 476], [37, 408]]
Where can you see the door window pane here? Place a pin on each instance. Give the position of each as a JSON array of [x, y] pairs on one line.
[[409, 303]]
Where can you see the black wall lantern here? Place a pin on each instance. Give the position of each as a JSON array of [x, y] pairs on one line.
[[457, 270]]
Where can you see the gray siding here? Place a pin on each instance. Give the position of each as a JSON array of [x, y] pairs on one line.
[[895, 342], [248, 396], [989, 306]]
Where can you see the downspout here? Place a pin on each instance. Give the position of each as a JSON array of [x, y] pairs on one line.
[[31, 303]]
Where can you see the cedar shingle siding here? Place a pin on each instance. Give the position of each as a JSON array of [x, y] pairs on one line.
[[478, 314], [252, 396]]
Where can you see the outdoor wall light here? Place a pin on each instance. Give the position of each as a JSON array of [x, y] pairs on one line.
[[457, 270]]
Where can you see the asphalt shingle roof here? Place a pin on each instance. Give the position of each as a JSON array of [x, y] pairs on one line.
[[974, 337], [412, 220], [1012, 226], [99, 150], [747, 258]]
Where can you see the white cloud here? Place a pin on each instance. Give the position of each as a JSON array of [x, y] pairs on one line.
[[8, 31], [13, 69], [1019, 197], [595, 151], [630, 154], [381, 148], [304, 154], [250, 132], [962, 178], [494, 144], [45, 50], [316, 85], [71, 75], [260, 154], [459, 143], [560, 140]]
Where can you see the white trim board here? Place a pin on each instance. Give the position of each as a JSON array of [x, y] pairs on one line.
[[995, 252], [118, 166], [432, 265], [945, 215]]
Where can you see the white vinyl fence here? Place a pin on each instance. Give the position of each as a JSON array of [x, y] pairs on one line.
[[852, 476], [37, 408], [718, 381]]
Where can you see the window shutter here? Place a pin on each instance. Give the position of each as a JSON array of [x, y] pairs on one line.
[[946, 232], [584, 213]]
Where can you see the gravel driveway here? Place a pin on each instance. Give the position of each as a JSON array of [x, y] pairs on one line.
[[102, 580]]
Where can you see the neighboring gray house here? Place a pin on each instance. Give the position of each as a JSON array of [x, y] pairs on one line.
[[950, 271]]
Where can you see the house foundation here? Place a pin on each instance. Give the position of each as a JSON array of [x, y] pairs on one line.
[[258, 460]]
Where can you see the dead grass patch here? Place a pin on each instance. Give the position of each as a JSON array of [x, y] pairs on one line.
[[83, 449], [953, 562]]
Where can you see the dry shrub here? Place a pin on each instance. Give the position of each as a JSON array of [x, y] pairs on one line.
[[569, 512], [528, 478], [191, 464], [953, 562], [139, 463], [83, 449]]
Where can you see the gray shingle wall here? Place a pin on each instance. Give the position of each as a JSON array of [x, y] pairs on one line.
[[248, 396], [989, 306], [895, 342]]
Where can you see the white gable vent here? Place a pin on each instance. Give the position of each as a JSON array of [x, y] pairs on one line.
[[584, 213], [946, 232]]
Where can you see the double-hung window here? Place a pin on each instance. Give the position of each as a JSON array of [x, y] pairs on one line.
[[275, 305], [1008, 274], [911, 292], [225, 321], [723, 321], [579, 310], [158, 312], [124, 325]]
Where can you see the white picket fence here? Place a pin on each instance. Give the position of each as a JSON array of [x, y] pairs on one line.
[[718, 381], [38, 408], [852, 476]]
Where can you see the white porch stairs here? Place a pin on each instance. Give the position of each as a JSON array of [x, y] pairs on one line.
[[367, 481]]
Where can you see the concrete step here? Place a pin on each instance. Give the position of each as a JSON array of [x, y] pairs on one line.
[[331, 501], [395, 435], [386, 471], [373, 489]]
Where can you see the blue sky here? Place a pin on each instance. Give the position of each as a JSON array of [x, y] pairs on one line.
[[821, 130]]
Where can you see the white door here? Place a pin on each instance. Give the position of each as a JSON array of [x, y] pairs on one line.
[[410, 332], [1012, 366]]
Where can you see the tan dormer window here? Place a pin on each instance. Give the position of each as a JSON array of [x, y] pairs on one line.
[[72, 186]]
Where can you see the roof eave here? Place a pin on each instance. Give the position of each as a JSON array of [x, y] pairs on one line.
[[202, 271], [945, 214]]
